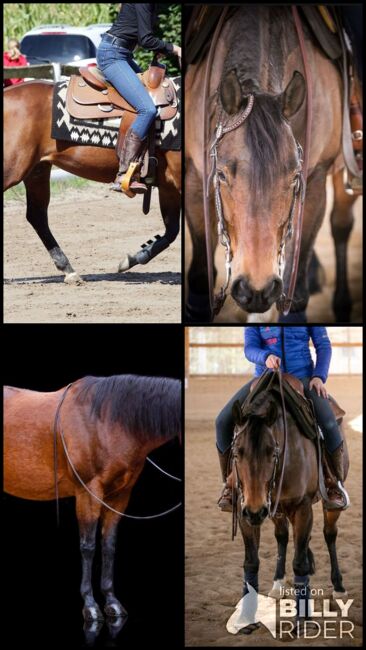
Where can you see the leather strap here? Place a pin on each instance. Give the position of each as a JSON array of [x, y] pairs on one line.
[[205, 121], [348, 153], [301, 205]]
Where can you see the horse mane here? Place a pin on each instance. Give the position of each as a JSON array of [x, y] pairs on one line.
[[257, 55], [146, 407]]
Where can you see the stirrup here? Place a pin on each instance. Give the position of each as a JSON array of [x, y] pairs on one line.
[[127, 177]]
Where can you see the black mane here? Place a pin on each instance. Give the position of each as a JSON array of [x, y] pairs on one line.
[[146, 407]]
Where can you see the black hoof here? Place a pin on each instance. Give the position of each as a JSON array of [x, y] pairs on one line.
[[92, 613], [114, 610]]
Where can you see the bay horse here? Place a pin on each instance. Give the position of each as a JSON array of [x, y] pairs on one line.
[[89, 440], [262, 460], [30, 152], [257, 57]]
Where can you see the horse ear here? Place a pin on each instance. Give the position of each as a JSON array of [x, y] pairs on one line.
[[231, 93], [271, 414], [236, 413], [294, 95]]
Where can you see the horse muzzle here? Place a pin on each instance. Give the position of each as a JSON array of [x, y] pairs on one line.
[[252, 300], [255, 518]]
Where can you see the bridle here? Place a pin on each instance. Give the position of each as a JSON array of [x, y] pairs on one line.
[[237, 487], [292, 226], [57, 429]]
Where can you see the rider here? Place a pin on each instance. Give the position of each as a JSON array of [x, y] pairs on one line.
[[134, 25], [286, 348]]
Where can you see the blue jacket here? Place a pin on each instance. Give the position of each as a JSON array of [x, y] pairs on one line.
[[291, 344]]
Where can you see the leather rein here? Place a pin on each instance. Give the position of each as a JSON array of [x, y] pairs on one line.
[[57, 429], [237, 488], [292, 227]]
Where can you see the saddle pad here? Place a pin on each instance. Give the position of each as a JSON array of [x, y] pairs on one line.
[[104, 133]]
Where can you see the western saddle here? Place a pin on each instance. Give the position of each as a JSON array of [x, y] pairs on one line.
[[91, 96]]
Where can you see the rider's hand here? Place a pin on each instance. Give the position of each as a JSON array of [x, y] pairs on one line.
[[273, 362], [317, 383]]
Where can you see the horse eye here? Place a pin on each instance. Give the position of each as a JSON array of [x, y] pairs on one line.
[[221, 176]]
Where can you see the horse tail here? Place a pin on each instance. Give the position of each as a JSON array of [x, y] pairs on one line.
[[311, 561]]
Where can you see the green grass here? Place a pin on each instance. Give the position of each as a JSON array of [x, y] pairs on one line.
[[17, 193]]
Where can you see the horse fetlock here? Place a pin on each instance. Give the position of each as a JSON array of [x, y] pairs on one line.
[[114, 609], [92, 613], [60, 260], [151, 249]]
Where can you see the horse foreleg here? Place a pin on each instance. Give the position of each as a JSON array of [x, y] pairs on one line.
[[303, 563], [110, 522], [281, 533], [330, 531], [198, 304], [248, 607], [169, 198], [341, 220], [88, 511], [37, 185]]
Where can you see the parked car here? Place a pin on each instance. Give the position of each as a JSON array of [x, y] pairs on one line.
[[63, 44]]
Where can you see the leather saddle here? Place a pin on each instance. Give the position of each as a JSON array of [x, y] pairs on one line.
[[91, 96], [297, 404]]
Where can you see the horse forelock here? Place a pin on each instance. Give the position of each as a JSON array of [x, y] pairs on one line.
[[261, 42], [147, 408]]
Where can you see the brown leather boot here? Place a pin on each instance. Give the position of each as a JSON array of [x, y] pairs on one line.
[[225, 500], [132, 150], [337, 495]]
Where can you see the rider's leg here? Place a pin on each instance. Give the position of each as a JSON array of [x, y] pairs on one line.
[[224, 435], [332, 435], [120, 70]]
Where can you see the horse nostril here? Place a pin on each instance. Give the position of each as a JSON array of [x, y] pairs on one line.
[[241, 290], [273, 289]]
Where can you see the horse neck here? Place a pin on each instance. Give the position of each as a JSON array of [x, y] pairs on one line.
[[157, 442]]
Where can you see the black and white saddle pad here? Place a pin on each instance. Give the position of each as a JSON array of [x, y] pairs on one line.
[[104, 133]]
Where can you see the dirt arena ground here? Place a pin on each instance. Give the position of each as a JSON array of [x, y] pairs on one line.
[[96, 228], [320, 305], [214, 563]]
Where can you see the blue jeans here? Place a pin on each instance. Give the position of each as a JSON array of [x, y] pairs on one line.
[[324, 415], [120, 69]]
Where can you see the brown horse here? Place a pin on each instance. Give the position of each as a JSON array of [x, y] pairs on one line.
[[30, 152], [90, 441], [257, 54], [258, 448]]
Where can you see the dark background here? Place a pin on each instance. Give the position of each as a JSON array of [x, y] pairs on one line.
[[41, 563]]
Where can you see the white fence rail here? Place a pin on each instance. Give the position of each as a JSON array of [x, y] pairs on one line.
[[52, 71]]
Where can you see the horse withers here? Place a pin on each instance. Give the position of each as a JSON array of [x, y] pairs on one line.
[[278, 479], [90, 441]]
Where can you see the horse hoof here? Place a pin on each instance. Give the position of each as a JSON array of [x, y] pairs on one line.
[[277, 590], [115, 610], [339, 594], [92, 614], [73, 278], [249, 629], [126, 264]]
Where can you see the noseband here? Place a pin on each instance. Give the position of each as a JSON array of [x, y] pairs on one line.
[[291, 227]]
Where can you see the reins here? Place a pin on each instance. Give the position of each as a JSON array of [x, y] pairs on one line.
[[58, 429], [293, 226]]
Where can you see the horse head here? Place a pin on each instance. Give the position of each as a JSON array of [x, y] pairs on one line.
[[258, 169], [254, 454]]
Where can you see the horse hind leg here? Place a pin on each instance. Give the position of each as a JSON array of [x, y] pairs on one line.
[[37, 185], [330, 531], [341, 220], [169, 198]]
